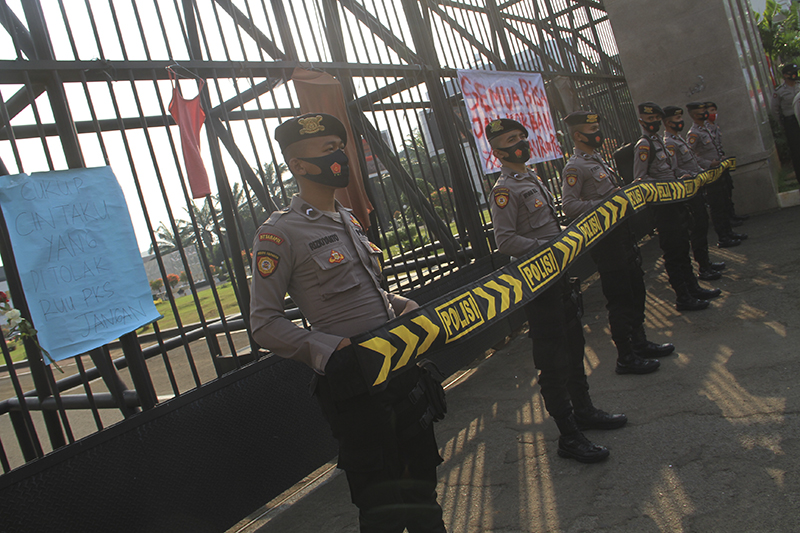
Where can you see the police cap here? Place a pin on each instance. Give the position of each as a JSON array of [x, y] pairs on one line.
[[650, 108], [692, 106], [582, 117], [789, 68], [309, 126], [710, 104], [499, 126], [673, 111]]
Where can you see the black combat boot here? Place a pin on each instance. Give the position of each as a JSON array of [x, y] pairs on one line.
[[587, 416], [727, 242], [707, 273], [718, 266], [738, 236], [687, 302], [573, 445], [630, 363], [647, 349], [700, 293]]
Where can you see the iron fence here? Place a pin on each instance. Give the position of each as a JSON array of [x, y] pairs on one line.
[[86, 84]]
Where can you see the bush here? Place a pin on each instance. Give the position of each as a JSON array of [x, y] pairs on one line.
[[156, 284], [401, 237]]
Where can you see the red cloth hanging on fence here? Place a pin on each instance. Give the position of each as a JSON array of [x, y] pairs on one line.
[[189, 116], [321, 92]]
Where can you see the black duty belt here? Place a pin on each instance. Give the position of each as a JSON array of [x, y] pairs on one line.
[[468, 310]]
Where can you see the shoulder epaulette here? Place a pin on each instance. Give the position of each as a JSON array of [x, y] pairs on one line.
[[273, 218]]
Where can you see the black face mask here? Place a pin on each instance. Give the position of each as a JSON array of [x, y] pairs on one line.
[[595, 140], [519, 153], [678, 126], [704, 116], [652, 127], [335, 169]]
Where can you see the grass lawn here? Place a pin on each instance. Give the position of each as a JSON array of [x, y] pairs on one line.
[[187, 309]]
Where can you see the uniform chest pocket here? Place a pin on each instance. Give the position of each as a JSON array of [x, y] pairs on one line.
[[599, 174], [537, 209], [661, 155], [336, 271], [683, 149]]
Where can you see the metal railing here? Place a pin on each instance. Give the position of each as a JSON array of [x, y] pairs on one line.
[[85, 84]]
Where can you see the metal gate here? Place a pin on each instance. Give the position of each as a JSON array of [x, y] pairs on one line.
[[85, 83]]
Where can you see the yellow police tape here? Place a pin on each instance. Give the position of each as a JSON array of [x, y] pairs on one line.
[[469, 309]]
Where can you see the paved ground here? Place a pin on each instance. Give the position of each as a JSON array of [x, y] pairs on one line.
[[713, 438]]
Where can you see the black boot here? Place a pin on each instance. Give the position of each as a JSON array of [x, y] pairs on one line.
[[740, 217], [573, 445], [648, 350], [700, 293], [738, 236], [630, 363], [687, 302], [587, 416], [727, 242], [718, 266], [708, 274]]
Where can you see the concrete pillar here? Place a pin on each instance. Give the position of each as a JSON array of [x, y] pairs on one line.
[[683, 50]]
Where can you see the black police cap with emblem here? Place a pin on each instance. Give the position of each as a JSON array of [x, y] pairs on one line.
[[789, 68], [500, 126], [672, 111], [309, 126], [650, 108], [710, 104], [692, 106], [582, 117]]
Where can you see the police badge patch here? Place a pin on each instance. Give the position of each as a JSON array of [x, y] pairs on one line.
[[501, 197], [335, 257], [644, 153], [267, 263], [671, 149], [311, 125]]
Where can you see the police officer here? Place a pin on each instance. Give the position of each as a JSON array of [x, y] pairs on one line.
[[716, 135], [652, 162], [316, 251], [783, 112], [709, 155], [686, 161], [586, 181], [524, 219]]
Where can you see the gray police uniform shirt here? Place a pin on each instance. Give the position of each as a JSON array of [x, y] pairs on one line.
[[585, 181], [523, 214], [685, 158], [655, 166], [782, 100], [328, 266], [716, 136], [702, 143]]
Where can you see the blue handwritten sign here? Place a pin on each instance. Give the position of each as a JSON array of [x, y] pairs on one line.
[[77, 256]]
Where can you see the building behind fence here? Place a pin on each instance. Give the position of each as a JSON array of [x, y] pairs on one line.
[[85, 84]]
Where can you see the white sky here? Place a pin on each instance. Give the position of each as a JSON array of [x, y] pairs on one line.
[[154, 95]]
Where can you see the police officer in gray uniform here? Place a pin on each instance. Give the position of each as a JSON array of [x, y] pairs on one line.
[[586, 181], [709, 154], [316, 251], [783, 112], [524, 219], [652, 162], [686, 161], [716, 135]]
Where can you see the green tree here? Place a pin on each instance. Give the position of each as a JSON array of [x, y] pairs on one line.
[[780, 32], [277, 185]]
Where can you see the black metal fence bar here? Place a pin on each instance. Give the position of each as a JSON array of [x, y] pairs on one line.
[[86, 83]]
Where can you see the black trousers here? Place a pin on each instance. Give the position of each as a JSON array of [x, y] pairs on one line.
[[392, 480], [558, 343], [698, 232], [619, 264], [792, 129], [672, 223], [718, 203]]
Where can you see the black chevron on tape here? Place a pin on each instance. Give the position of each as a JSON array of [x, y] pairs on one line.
[[466, 311]]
